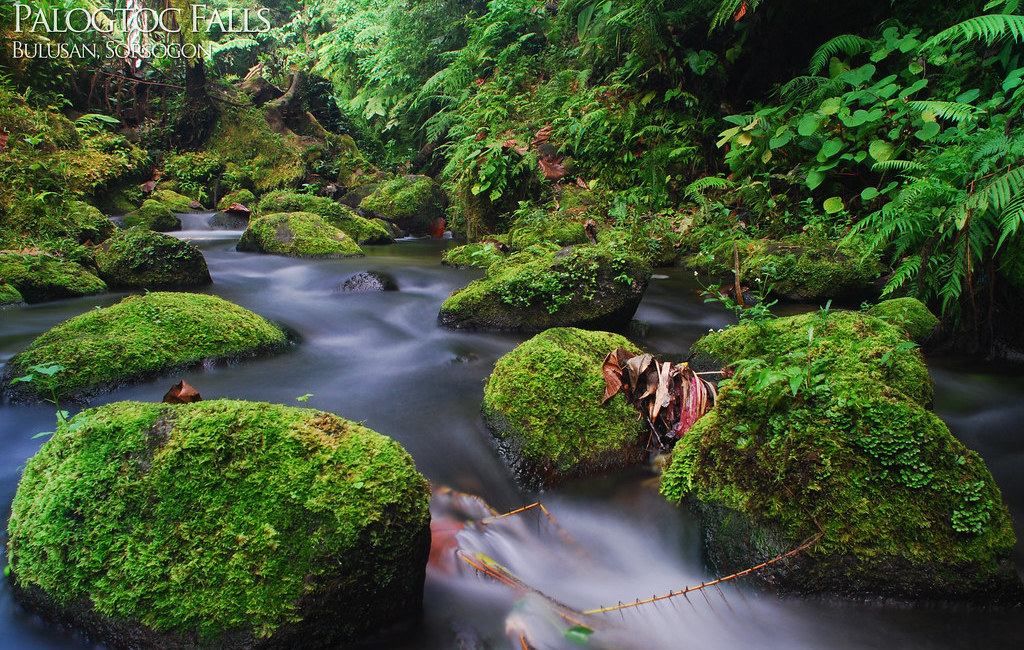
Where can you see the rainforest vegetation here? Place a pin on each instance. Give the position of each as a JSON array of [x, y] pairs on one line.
[[840, 151]]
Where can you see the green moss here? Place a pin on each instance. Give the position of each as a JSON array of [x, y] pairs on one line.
[[171, 200], [800, 268], [143, 336], [412, 202], [831, 426], [142, 259], [242, 196], [48, 166], [196, 172], [296, 234], [908, 313], [222, 520], [9, 295], [543, 404], [584, 286], [342, 217], [472, 255], [541, 226], [155, 216], [89, 223], [39, 278], [253, 153]]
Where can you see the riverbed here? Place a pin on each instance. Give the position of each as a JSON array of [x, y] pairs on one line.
[[380, 358]]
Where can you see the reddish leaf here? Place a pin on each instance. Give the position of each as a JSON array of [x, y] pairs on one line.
[[552, 167], [148, 186], [436, 228], [542, 135], [195, 205], [182, 393], [3, 139], [238, 208]]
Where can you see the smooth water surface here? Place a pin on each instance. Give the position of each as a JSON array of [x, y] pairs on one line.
[[380, 358]]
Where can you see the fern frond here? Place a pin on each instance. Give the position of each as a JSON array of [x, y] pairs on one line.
[[800, 88], [987, 28], [907, 270], [698, 186], [953, 111], [902, 166], [729, 8], [851, 44]]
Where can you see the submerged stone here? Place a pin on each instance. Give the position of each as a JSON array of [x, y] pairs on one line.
[[220, 524], [296, 234], [142, 259], [137, 338], [42, 277], [594, 287], [828, 435], [368, 281], [543, 406]]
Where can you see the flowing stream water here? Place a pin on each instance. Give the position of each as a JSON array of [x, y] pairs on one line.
[[380, 358]]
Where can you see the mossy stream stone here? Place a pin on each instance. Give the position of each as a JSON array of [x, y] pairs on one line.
[[40, 278], [594, 287], [342, 217], [543, 406], [155, 216], [138, 338], [143, 259], [296, 234], [411, 202], [220, 524], [829, 434]]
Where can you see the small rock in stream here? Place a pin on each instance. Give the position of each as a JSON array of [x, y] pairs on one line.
[[368, 281]]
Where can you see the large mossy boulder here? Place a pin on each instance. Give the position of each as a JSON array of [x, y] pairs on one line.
[[827, 432], [138, 338], [412, 202], [171, 200], [296, 234], [342, 217], [139, 258], [910, 314], [543, 406], [802, 269], [42, 277], [594, 287], [541, 226], [220, 524], [155, 216]]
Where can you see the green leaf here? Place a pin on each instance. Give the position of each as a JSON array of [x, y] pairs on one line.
[[831, 147], [881, 150], [579, 634], [868, 193], [727, 135], [833, 205], [830, 106], [928, 131], [808, 124], [814, 179], [42, 433], [780, 139]]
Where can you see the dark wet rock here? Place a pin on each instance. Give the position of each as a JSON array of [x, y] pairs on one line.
[[368, 281]]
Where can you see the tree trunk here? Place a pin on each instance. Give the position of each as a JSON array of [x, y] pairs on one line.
[[198, 112]]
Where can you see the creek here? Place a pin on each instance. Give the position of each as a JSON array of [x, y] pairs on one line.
[[380, 358]]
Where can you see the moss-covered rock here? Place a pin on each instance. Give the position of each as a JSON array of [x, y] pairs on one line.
[[171, 200], [800, 269], [594, 287], [139, 258], [541, 226], [542, 403], [478, 255], [296, 234], [155, 216], [9, 295], [908, 313], [243, 196], [220, 524], [253, 154], [830, 428], [412, 202], [342, 217], [39, 278], [90, 224], [138, 338]]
